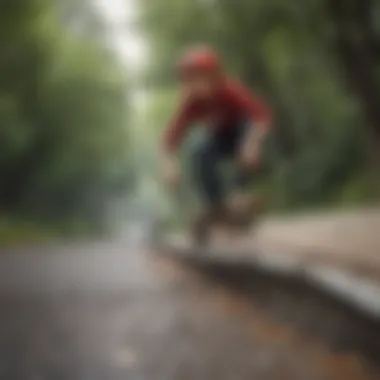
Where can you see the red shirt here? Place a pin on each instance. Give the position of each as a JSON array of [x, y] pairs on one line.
[[231, 104]]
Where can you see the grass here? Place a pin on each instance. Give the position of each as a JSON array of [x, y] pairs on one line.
[[363, 188], [14, 233], [19, 232]]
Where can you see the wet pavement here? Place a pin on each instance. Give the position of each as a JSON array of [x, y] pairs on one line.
[[113, 311]]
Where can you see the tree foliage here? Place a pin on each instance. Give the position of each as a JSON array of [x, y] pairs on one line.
[[63, 115], [316, 62]]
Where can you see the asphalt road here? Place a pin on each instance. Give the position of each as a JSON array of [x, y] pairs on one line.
[[113, 310]]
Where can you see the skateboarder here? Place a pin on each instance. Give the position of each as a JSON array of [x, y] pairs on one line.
[[236, 123]]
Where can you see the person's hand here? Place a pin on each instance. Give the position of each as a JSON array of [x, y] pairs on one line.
[[171, 173], [249, 157], [250, 150]]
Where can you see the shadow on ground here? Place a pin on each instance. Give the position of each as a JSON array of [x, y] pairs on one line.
[[295, 301]]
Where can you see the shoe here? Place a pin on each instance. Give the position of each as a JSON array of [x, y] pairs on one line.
[[208, 218], [244, 209]]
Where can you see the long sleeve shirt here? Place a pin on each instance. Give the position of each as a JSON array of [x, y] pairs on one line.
[[231, 104]]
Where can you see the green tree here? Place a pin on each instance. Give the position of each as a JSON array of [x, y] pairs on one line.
[[63, 115], [287, 52]]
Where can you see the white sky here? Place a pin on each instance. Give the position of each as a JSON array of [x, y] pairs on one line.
[[120, 14]]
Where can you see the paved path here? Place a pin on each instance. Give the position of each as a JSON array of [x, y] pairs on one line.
[[347, 239], [338, 251], [113, 311]]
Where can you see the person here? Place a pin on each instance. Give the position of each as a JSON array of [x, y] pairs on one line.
[[237, 122]]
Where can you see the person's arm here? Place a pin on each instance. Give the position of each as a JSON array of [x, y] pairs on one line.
[[177, 127], [172, 138], [260, 119], [255, 107]]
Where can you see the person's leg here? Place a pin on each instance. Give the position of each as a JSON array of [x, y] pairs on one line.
[[207, 156], [241, 203], [243, 176], [205, 160]]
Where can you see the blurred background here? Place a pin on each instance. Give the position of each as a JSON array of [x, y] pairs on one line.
[[87, 87]]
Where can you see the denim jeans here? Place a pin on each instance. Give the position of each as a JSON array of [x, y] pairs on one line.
[[207, 155]]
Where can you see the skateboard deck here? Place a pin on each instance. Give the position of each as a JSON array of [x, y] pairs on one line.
[[218, 244]]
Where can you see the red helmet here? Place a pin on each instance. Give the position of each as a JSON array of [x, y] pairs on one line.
[[199, 60]]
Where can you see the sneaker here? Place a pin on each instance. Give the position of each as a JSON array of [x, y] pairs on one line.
[[208, 218], [244, 208]]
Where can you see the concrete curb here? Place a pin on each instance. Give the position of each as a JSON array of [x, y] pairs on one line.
[[360, 292]]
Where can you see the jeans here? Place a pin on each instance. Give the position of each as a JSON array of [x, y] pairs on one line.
[[209, 153]]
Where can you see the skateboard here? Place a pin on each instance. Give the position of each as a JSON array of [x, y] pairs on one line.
[[233, 225]]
